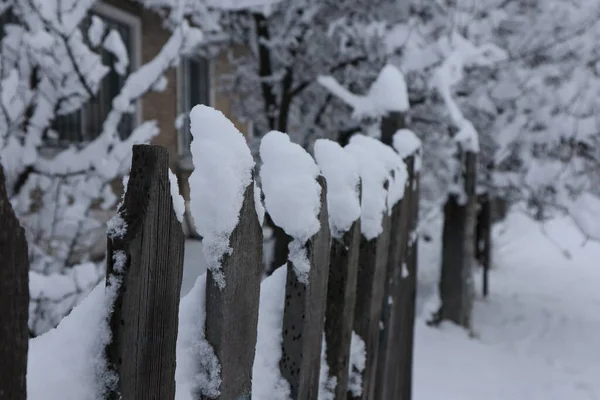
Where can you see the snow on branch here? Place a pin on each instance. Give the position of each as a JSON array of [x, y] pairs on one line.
[[340, 170], [292, 194], [95, 155], [460, 54], [388, 93], [223, 170]]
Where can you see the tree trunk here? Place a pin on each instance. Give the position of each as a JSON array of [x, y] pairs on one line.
[[458, 250]]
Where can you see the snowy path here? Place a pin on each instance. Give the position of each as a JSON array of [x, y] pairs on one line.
[[538, 334]]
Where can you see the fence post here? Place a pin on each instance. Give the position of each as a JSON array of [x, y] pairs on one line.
[[232, 312], [406, 358], [304, 313], [370, 289], [341, 298], [483, 237], [395, 315], [456, 283], [14, 301], [145, 318]]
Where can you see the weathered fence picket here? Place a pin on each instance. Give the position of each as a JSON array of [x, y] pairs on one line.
[[395, 304], [341, 298], [232, 311], [14, 301], [304, 313], [145, 266], [407, 336], [369, 296]]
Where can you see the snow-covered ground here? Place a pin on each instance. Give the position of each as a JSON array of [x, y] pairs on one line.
[[537, 336]]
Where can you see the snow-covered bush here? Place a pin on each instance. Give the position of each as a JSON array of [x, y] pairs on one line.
[[54, 56]]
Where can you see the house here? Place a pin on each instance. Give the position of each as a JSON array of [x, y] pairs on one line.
[[195, 81]]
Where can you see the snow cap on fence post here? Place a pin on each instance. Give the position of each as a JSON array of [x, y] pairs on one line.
[[223, 168], [292, 194], [406, 143], [342, 174], [374, 176]]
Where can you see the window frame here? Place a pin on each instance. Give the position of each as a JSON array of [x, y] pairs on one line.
[[185, 156], [135, 59]]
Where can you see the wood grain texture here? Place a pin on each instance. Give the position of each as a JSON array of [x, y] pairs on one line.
[[458, 250], [14, 301], [232, 312], [341, 298], [304, 314], [145, 318]]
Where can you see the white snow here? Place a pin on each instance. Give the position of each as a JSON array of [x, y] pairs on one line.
[[178, 201], [223, 168], [406, 142], [358, 359], [292, 194], [96, 31], [64, 362], [198, 369], [536, 336], [267, 382], [341, 172], [114, 44], [388, 93], [327, 384], [392, 162], [374, 175]]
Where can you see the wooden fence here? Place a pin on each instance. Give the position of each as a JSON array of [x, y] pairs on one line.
[[365, 286]]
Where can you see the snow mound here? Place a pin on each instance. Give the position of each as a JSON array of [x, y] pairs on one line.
[[292, 194], [223, 168], [392, 162], [374, 176], [341, 172], [198, 369], [406, 144], [267, 382]]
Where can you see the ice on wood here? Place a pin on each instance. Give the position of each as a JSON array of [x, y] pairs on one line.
[[223, 168], [292, 194], [374, 175], [388, 93], [341, 172]]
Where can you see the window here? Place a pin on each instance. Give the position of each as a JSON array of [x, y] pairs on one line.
[[85, 124], [194, 88]]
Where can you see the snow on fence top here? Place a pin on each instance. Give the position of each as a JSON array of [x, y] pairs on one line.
[[292, 194], [223, 168], [406, 143], [341, 172], [392, 162], [374, 175], [388, 93]]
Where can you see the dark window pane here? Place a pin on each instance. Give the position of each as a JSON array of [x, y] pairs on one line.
[[86, 124]]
